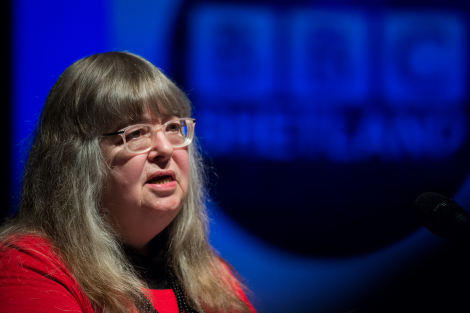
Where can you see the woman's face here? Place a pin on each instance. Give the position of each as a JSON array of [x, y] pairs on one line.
[[144, 192]]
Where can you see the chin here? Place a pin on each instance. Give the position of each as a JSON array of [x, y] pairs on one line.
[[167, 209]]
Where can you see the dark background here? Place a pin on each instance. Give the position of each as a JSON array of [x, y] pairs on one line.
[[5, 87]]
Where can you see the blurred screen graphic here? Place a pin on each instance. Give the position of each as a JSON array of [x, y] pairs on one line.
[[314, 116]]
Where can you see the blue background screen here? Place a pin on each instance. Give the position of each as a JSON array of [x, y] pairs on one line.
[[322, 122]]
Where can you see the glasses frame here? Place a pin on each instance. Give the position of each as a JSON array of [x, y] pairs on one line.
[[190, 123]]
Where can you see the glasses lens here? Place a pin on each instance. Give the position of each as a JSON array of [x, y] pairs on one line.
[[178, 132], [138, 138]]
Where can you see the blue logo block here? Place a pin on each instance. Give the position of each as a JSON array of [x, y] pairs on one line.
[[424, 59], [231, 51], [330, 56]]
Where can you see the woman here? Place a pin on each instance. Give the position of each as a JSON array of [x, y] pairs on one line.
[[112, 215]]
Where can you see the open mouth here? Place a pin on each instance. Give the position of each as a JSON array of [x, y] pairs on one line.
[[161, 180]]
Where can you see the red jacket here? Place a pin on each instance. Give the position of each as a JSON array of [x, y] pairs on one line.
[[34, 280]]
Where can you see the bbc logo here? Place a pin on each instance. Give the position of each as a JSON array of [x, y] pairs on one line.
[[335, 57]]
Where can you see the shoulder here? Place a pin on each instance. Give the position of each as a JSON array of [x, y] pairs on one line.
[[29, 254], [33, 278], [30, 244]]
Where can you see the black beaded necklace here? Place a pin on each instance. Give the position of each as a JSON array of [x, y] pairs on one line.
[[183, 306], [157, 273]]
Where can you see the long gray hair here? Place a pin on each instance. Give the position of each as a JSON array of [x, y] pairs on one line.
[[66, 171]]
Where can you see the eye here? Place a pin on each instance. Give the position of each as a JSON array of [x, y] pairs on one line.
[[137, 133], [173, 128]]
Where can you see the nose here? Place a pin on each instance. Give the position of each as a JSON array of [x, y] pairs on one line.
[[162, 149]]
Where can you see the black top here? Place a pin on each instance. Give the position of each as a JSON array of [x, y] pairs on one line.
[[153, 268]]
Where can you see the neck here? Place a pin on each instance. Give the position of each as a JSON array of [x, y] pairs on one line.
[[157, 246]]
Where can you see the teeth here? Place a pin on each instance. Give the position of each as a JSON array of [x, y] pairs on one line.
[[161, 181]]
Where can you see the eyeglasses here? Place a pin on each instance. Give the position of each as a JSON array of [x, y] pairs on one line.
[[139, 138]]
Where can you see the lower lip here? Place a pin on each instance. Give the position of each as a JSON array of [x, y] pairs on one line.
[[168, 186]]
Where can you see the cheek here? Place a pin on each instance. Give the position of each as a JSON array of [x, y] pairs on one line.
[[181, 159], [125, 176]]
